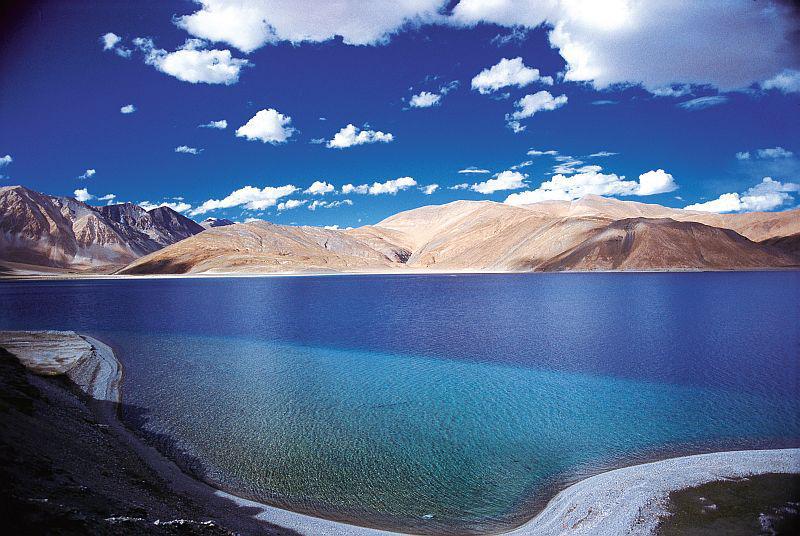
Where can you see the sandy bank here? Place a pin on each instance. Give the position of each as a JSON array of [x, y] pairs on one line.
[[631, 500]]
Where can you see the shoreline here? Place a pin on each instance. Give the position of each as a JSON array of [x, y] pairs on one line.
[[408, 272], [628, 500]]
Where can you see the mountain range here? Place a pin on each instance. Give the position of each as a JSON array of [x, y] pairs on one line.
[[592, 233], [39, 231]]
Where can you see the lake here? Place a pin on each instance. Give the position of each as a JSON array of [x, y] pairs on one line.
[[441, 404]]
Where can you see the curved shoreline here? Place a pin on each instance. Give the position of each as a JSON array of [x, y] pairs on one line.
[[629, 500]]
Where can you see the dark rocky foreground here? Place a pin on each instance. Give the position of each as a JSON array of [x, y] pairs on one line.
[[67, 468], [763, 504]]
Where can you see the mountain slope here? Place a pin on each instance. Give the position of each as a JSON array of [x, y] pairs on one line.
[[265, 247], [61, 232], [666, 244]]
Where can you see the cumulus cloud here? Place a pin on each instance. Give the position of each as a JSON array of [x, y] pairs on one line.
[[267, 126], [787, 81], [473, 169], [701, 103], [192, 62], [765, 154], [289, 204], [657, 44], [537, 102], [319, 188], [83, 195], [425, 99], [5, 160], [377, 188], [177, 206], [319, 203], [352, 135], [88, 174], [221, 124], [110, 42], [128, 109], [187, 150], [591, 180], [429, 189], [250, 197], [505, 180], [251, 25], [769, 194], [507, 72]]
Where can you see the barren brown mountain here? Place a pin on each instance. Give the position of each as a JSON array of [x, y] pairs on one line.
[[593, 233]]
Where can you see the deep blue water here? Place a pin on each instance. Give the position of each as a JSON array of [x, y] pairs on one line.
[[438, 403]]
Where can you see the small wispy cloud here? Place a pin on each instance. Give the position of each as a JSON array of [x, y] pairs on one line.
[[701, 103], [128, 109], [88, 174], [185, 149], [221, 124]]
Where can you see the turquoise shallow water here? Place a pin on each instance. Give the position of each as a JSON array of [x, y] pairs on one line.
[[434, 404]]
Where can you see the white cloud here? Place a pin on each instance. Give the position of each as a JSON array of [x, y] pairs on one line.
[[289, 204], [221, 124], [765, 154], [549, 152], [179, 206], [462, 186], [318, 203], [110, 42], [251, 197], [701, 103], [88, 174], [672, 91], [319, 188], [602, 154], [187, 150], [352, 189], [787, 81], [377, 188], [5, 160], [655, 182], [507, 72], [590, 180], [192, 62], [505, 180], [537, 102], [473, 169], [267, 126], [352, 135], [108, 197], [128, 109], [515, 126], [82, 194], [769, 194], [251, 25], [774, 152], [429, 189], [658, 43], [425, 99]]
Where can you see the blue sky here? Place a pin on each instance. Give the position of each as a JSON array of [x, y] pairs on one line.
[[699, 104]]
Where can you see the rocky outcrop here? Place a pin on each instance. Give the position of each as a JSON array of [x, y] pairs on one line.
[[86, 361]]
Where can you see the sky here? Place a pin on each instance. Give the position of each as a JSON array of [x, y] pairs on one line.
[[343, 113]]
